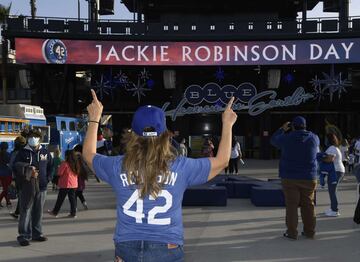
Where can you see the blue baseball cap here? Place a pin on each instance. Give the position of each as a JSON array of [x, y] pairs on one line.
[[149, 117], [299, 121]]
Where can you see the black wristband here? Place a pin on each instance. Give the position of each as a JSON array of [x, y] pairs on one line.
[[90, 121]]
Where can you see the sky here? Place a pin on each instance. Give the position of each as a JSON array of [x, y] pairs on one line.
[[69, 8], [63, 8]]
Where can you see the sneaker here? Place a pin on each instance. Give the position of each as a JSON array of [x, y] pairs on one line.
[[51, 213], [23, 242], [289, 237], [40, 239], [327, 210], [330, 213], [85, 206], [71, 216], [14, 215]]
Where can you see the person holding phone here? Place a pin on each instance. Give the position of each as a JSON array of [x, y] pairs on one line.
[[149, 181], [33, 168], [298, 170]]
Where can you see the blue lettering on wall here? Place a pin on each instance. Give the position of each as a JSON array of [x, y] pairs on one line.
[[246, 98]]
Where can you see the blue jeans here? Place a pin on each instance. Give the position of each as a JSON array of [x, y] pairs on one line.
[[147, 251], [30, 221], [332, 191], [322, 179]]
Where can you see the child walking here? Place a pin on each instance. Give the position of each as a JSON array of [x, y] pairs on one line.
[[68, 183]]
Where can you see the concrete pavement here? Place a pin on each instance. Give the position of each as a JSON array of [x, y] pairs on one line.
[[238, 232]]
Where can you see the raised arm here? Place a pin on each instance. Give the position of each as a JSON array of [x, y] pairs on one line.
[[277, 137], [89, 148], [222, 158]]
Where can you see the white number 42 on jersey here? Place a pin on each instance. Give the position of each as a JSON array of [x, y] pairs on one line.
[[138, 214]]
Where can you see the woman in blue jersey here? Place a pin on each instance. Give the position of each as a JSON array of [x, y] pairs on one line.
[[149, 181]]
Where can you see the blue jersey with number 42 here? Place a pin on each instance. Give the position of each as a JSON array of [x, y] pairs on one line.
[[151, 219]]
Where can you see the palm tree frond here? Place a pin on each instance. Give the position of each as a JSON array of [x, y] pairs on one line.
[[4, 12]]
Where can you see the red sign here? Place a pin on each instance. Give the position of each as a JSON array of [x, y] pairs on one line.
[[187, 53]]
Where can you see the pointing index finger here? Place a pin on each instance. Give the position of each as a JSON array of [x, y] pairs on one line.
[[229, 105], [94, 95]]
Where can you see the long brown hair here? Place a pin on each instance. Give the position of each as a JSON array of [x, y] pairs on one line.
[[145, 159], [333, 139], [71, 157]]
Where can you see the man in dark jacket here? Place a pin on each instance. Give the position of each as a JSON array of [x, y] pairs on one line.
[[33, 166], [298, 169]]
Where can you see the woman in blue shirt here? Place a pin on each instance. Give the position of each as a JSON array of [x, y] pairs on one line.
[[149, 181]]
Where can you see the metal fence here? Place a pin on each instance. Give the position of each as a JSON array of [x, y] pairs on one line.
[[130, 27]]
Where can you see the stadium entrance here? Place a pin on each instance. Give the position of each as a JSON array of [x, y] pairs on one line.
[[275, 65]]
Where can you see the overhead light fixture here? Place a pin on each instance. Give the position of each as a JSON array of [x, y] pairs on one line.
[[80, 74]]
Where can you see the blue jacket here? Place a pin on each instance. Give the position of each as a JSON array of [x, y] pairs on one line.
[[326, 169], [41, 160], [298, 153]]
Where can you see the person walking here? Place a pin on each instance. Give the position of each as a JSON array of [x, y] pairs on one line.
[[55, 177], [298, 170], [235, 156], [334, 155], [33, 167], [68, 183], [5, 173], [19, 144], [149, 181]]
